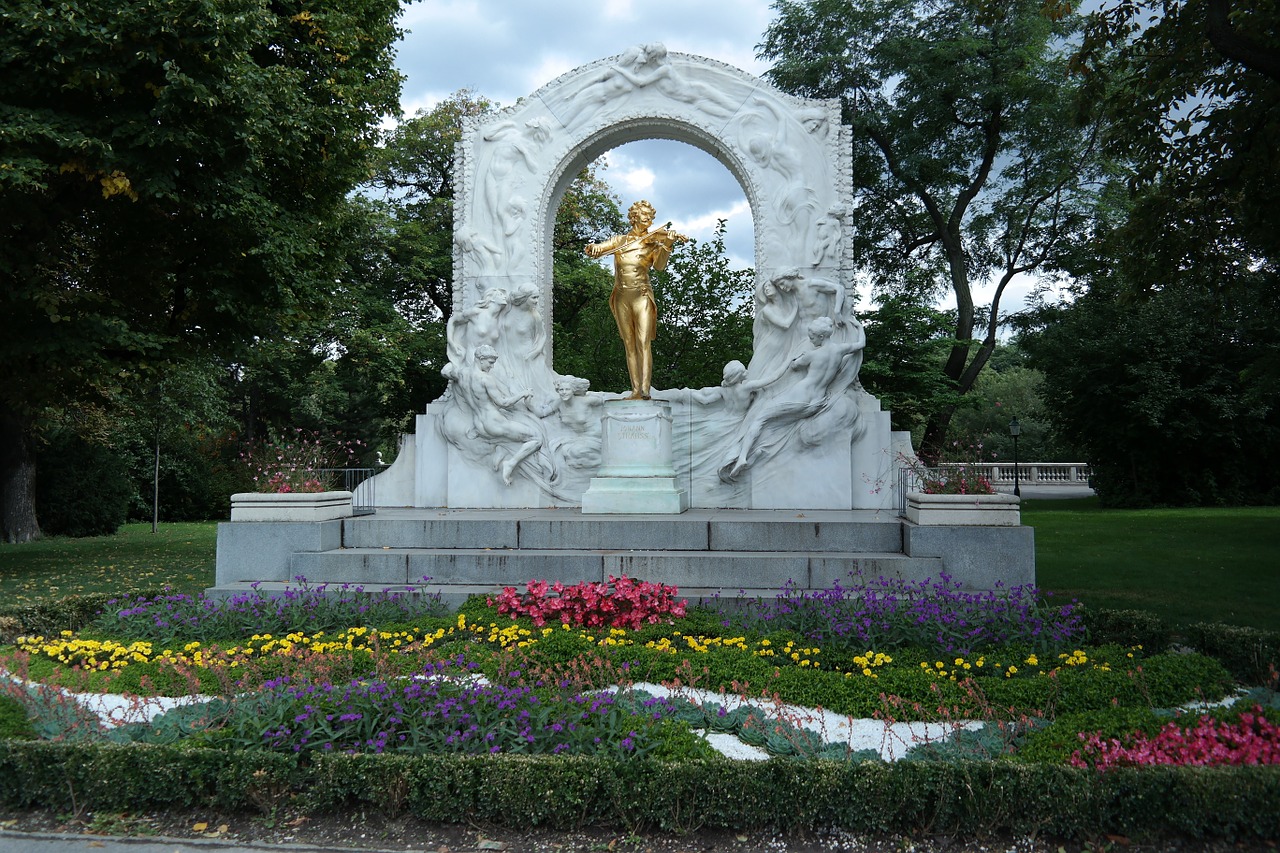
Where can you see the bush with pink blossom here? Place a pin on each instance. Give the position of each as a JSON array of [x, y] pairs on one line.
[[1249, 739], [621, 603]]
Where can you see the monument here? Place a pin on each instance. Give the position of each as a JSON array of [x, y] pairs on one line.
[[803, 432], [788, 469]]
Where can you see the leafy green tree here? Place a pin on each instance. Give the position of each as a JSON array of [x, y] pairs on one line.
[[705, 315], [968, 166], [168, 411], [413, 177], [1002, 393], [1159, 391], [1190, 94], [166, 180], [907, 342]]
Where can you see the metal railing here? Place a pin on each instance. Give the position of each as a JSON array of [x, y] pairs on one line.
[[358, 481], [1000, 475]]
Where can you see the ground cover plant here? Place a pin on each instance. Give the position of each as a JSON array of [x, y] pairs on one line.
[[311, 680]]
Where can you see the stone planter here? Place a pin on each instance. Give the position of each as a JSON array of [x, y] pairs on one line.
[[964, 510], [290, 506]]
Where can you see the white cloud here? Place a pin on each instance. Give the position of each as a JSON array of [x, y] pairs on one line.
[[617, 10], [633, 181]]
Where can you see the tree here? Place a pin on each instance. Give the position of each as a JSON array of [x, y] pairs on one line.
[[907, 343], [169, 167], [165, 408], [1160, 391], [1190, 94], [967, 164], [413, 175], [705, 308]]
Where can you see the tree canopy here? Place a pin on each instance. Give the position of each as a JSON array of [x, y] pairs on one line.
[[1190, 94], [168, 174], [968, 164]]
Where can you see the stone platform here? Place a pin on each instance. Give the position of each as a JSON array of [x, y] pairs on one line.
[[730, 554]]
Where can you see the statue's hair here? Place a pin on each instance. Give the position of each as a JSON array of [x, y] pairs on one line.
[[735, 369], [485, 351], [825, 325], [641, 205]]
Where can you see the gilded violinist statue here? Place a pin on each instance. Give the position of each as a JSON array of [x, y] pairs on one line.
[[631, 302]]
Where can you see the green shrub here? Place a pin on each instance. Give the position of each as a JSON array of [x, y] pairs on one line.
[[71, 613], [82, 489], [1250, 654], [1126, 628], [998, 797], [14, 722]]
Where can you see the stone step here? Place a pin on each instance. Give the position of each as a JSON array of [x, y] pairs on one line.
[[452, 595], [495, 568], [688, 532]]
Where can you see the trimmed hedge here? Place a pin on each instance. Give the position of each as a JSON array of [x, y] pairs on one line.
[[1126, 628], [71, 613], [960, 798], [1251, 654]]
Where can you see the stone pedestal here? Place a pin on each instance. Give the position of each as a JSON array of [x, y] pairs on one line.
[[636, 473]]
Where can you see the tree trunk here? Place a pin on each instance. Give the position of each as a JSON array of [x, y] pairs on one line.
[[17, 478], [155, 488], [935, 436]]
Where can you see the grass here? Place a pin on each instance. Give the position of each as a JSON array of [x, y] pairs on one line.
[[180, 555], [1219, 564], [1185, 565]]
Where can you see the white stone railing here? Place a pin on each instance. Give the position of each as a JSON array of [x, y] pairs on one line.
[[1038, 473], [1028, 473], [1000, 475]]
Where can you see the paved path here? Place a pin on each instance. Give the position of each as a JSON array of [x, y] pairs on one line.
[[54, 842]]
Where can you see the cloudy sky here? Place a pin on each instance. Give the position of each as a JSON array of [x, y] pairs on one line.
[[507, 49]]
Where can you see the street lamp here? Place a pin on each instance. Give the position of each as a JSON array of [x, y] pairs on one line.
[[1015, 430]]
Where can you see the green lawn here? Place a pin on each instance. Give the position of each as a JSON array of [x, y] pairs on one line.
[[1186, 565], [180, 555]]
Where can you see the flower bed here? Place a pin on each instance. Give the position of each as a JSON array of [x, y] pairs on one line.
[[321, 672]]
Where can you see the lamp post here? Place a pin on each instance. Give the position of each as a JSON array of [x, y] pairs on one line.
[[1015, 430]]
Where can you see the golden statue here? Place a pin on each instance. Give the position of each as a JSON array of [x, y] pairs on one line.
[[631, 302]]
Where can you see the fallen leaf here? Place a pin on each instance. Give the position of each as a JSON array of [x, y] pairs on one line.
[[492, 845], [1118, 839], [223, 827], [96, 844], [200, 827]]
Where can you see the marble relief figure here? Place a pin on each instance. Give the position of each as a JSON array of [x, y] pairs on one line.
[[495, 419], [820, 375]]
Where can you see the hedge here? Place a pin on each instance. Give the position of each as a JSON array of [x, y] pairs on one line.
[[960, 799]]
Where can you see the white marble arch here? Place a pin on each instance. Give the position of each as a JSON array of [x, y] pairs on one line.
[[791, 156], [792, 430]]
